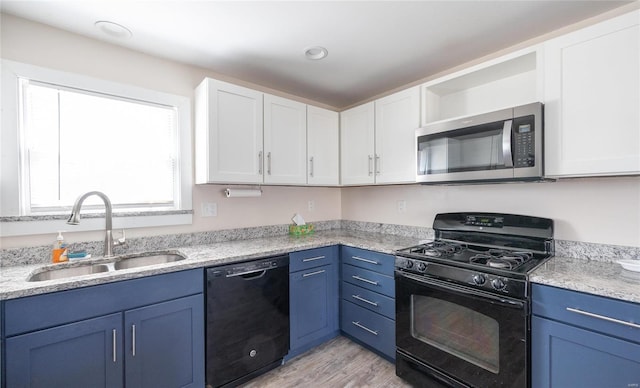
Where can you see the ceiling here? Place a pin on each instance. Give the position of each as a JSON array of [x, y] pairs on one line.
[[374, 46]]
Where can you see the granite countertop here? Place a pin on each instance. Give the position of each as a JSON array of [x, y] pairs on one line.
[[14, 284], [589, 276], [593, 277]]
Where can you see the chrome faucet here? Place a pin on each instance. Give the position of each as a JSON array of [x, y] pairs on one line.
[[74, 219]]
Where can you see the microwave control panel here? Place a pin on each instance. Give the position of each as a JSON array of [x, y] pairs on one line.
[[524, 145]]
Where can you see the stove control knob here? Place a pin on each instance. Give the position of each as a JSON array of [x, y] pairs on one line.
[[422, 266], [408, 264], [478, 279], [498, 284]]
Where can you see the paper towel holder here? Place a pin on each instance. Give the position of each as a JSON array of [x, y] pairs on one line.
[[242, 193]]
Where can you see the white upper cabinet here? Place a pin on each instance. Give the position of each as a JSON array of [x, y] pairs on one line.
[[323, 139], [378, 140], [285, 141], [592, 100], [228, 137], [397, 118], [357, 142], [245, 136], [510, 80]]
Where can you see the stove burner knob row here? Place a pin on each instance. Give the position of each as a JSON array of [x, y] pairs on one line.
[[478, 279]]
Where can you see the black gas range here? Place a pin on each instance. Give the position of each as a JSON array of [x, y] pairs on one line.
[[488, 251], [462, 300]]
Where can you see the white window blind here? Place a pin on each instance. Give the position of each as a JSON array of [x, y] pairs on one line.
[[76, 141]]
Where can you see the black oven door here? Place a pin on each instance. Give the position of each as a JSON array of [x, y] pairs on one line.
[[458, 335]]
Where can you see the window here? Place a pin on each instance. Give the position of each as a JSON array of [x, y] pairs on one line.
[[66, 134], [76, 141]]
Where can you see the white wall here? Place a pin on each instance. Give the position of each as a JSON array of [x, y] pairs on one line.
[[37, 44], [597, 210], [604, 210]]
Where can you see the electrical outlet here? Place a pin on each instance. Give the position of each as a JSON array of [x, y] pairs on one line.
[[209, 209], [402, 206], [312, 205]]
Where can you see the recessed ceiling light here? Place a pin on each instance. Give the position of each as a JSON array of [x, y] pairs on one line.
[[316, 53], [114, 30]]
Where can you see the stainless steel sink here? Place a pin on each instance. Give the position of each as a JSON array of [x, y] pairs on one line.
[[67, 272], [151, 259]]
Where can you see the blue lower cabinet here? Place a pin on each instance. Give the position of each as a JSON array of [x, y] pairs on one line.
[[83, 354], [374, 330], [367, 299], [164, 344], [583, 340], [147, 332], [313, 299], [568, 356]]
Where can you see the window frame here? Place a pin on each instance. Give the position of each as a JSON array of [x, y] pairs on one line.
[[11, 147]]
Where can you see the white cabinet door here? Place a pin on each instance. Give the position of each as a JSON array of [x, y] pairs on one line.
[[285, 141], [228, 138], [357, 145], [592, 100], [323, 140], [397, 118]]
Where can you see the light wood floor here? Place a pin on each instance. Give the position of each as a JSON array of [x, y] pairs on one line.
[[335, 364]]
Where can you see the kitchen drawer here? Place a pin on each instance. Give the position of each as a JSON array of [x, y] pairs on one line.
[[372, 329], [374, 261], [311, 258], [554, 303], [373, 301], [370, 280], [47, 310]]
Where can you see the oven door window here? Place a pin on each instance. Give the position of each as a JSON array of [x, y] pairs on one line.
[[456, 330]]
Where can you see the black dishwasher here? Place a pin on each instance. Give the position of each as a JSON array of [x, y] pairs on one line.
[[247, 326]]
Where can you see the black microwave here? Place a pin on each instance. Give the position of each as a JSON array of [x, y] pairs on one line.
[[500, 146]]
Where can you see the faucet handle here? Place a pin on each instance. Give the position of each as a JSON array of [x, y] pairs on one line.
[[122, 240]]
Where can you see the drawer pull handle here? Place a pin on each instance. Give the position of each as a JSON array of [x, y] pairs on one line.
[[358, 297], [312, 273], [313, 259], [604, 318], [363, 327], [113, 339], [364, 280], [365, 260]]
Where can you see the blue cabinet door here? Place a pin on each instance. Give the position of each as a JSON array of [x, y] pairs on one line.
[[567, 356], [83, 354], [313, 302], [164, 344]]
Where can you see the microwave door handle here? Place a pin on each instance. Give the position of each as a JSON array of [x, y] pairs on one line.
[[506, 143]]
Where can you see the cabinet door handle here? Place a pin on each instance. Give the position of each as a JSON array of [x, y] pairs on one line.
[[260, 163], [603, 317], [311, 167], [312, 273], [313, 259], [377, 164], [363, 327], [364, 280], [133, 340], [268, 163], [365, 260], [114, 344], [358, 297], [370, 168]]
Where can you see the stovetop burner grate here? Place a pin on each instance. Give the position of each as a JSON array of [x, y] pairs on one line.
[[499, 258]]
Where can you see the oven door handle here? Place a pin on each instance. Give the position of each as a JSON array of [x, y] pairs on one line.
[[513, 303]]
